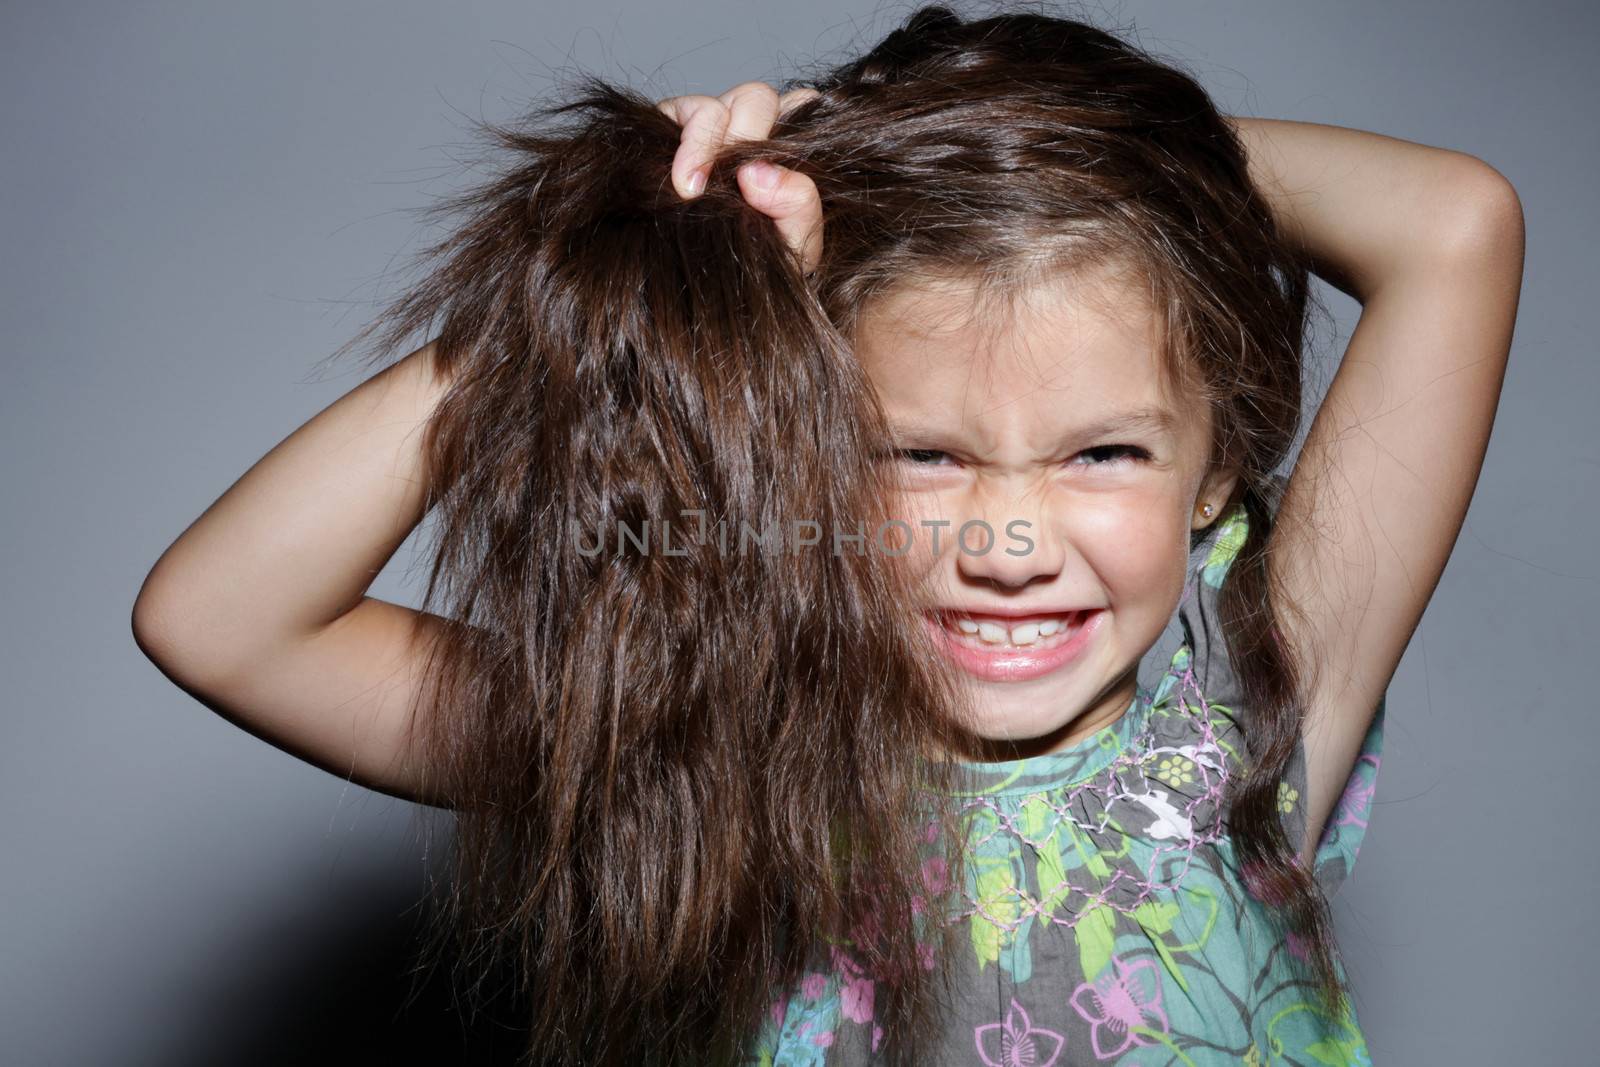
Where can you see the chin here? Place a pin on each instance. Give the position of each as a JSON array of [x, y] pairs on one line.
[[1012, 722]]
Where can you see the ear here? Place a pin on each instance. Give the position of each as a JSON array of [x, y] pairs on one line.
[[1216, 490]]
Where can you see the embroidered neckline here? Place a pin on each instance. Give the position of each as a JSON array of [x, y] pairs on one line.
[[1076, 763]]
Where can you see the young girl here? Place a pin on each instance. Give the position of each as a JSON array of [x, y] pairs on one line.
[[804, 541]]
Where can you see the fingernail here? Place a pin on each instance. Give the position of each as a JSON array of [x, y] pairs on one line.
[[697, 181], [763, 175]]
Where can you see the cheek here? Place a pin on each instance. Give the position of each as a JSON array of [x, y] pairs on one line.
[[1136, 546], [910, 537], [1136, 554]]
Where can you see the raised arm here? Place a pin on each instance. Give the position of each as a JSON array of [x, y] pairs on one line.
[[259, 609], [1430, 241]]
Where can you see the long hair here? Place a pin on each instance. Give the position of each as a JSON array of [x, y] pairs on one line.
[[672, 765]]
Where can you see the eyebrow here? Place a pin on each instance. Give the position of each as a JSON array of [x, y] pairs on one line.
[[1136, 420], [1153, 420]]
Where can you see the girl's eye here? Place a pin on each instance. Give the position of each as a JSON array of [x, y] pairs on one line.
[[1118, 453], [1105, 456]]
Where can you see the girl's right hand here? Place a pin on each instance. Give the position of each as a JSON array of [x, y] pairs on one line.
[[747, 112]]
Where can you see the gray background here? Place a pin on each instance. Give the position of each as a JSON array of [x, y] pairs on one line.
[[202, 201]]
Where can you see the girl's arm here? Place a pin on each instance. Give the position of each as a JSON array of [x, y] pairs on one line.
[[258, 609], [1430, 241]]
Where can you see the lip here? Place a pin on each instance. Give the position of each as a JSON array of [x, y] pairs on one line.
[[1014, 664]]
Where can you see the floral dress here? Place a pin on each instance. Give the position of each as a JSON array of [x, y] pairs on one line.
[[1105, 917]]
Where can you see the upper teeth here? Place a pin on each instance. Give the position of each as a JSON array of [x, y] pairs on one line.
[[1025, 633]]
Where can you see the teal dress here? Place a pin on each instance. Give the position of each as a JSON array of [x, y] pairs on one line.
[[1105, 919]]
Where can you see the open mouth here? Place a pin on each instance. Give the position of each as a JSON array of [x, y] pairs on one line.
[[1013, 648]]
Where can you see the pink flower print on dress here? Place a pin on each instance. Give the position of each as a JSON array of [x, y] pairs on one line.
[[1122, 998], [818, 1037], [1016, 1043], [1357, 797], [856, 991], [855, 1000]]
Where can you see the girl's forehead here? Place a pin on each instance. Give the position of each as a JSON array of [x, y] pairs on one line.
[[1089, 342]]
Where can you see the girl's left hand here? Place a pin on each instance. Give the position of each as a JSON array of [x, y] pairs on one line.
[[748, 111]]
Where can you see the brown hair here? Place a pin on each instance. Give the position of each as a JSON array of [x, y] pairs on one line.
[[672, 774]]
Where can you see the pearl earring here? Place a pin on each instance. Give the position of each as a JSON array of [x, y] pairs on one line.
[[1206, 511]]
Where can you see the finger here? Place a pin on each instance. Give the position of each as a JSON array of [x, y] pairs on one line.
[[704, 120], [752, 108], [794, 205], [794, 98]]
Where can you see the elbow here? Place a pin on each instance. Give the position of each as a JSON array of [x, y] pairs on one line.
[[1488, 226], [153, 630], [161, 633]]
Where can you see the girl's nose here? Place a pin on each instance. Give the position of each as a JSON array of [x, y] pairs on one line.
[[1009, 546]]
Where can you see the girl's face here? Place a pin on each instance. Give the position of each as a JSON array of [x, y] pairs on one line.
[[1051, 490]]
